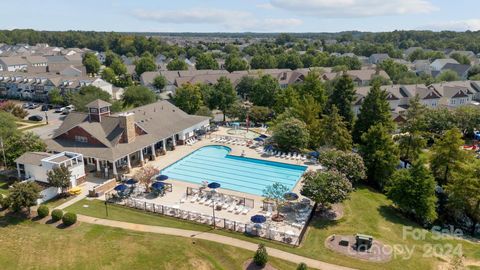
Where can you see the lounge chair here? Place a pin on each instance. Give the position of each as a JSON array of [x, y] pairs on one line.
[[245, 210], [232, 208], [239, 209], [194, 198], [283, 155], [278, 154], [182, 200], [203, 199]]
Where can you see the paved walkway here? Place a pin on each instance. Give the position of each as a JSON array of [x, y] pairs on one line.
[[311, 263]]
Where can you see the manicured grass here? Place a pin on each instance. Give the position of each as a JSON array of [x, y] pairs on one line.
[[30, 245], [3, 188], [57, 201], [366, 212]]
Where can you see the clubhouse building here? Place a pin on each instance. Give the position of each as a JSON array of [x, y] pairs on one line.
[[111, 144]]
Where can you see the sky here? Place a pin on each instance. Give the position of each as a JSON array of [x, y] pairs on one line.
[[241, 15]]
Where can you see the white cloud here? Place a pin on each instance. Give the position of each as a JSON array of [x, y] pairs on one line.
[[265, 6], [231, 20], [354, 8], [461, 25]]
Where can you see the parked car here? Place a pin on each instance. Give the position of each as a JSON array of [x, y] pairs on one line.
[[66, 110], [45, 107], [36, 118], [59, 109]]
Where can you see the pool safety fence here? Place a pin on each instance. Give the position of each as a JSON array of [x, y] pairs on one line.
[[266, 230]]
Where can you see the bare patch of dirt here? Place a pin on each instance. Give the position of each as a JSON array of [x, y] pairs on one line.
[[345, 244], [335, 212]]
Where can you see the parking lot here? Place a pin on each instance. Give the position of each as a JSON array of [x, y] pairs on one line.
[[54, 121]]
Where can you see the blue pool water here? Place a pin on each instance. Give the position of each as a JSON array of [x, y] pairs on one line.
[[213, 164]]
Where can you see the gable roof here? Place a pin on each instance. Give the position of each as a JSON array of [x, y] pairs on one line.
[[32, 158], [98, 103]]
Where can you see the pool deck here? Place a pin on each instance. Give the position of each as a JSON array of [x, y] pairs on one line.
[[179, 187]]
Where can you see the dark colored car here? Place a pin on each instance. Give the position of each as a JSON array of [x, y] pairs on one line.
[[45, 108], [36, 118]]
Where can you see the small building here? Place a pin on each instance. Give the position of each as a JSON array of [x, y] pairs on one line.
[[34, 166]]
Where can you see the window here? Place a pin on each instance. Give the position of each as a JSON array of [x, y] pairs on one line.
[[93, 110], [81, 139]]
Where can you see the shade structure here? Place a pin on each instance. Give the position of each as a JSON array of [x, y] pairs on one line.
[[258, 139], [131, 181], [290, 196], [158, 185], [258, 219], [314, 154], [121, 187], [214, 185], [162, 177]]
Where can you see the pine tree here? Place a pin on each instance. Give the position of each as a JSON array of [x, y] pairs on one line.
[[412, 141], [380, 155], [375, 110], [342, 98], [447, 156], [334, 131]]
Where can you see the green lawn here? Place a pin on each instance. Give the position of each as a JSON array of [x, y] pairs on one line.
[[3, 188], [57, 201], [366, 212], [30, 245]]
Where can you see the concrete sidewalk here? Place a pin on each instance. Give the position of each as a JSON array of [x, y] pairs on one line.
[[311, 263]]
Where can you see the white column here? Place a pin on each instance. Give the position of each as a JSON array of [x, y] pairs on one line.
[[153, 152], [128, 162], [18, 171], [114, 168], [98, 164], [165, 144], [173, 140], [141, 157]]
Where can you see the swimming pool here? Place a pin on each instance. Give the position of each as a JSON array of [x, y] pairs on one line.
[[214, 164]]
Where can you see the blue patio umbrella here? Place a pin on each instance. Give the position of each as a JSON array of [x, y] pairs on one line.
[[162, 177], [121, 187], [290, 196], [314, 154], [258, 139], [263, 136], [131, 181], [158, 185], [258, 219], [214, 185]]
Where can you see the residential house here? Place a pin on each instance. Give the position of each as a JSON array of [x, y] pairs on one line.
[[112, 144], [454, 94], [361, 77], [377, 58], [438, 64], [461, 70], [13, 63]]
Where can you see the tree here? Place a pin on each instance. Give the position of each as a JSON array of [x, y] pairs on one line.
[[177, 64], [302, 266], [461, 58], [263, 61], [439, 120], [326, 187], [8, 126], [87, 94], [334, 131], [448, 76], [206, 61], [374, 110], [109, 57], [145, 176], [411, 140], [380, 155], [119, 67], [467, 119], [145, 63], [138, 96], [19, 112], [447, 156], [55, 97], [261, 256], [286, 98], [188, 98], [159, 82], [23, 195], [59, 177], [289, 60], [234, 63], [246, 86], [204, 111], [345, 162], [91, 63], [474, 72], [264, 90], [463, 193], [275, 192], [260, 114], [109, 75], [290, 133], [393, 69], [343, 97], [313, 86], [413, 192], [20, 143], [223, 95]]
